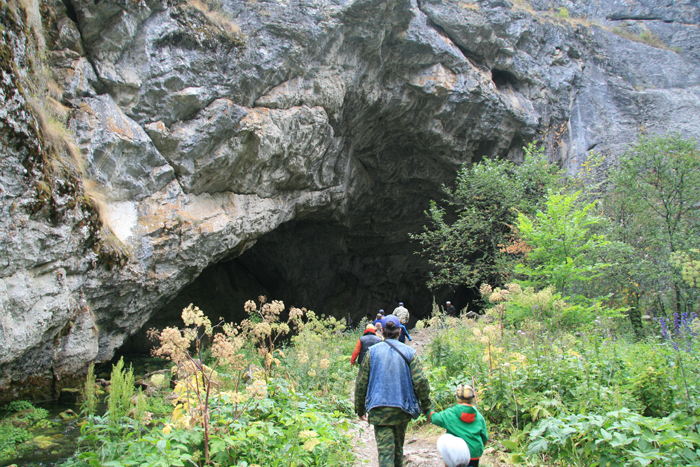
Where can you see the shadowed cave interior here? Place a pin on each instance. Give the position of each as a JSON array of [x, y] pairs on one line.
[[321, 267]]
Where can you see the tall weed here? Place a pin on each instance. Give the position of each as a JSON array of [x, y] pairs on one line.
[[121, 391], [527, 376], [240, 402]]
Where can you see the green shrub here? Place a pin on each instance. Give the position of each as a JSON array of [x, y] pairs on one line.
[[23, 419], [25, 410], [470, 236], [455, 354], [158, 406], [620, 438], [18, 406], [565, 248], [318, 362], [296, 424], [10, 440], [523, 376], [645, 36], [652, 388], [563, 13]]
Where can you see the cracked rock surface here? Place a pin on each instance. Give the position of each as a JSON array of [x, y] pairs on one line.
[[289, 147]]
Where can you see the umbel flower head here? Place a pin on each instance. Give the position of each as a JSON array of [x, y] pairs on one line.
[[271, 311], [258, 389], [514, 288], [192, 315], [174, 344], [226, 348], [250, 307], [262, 330], [496, 297]]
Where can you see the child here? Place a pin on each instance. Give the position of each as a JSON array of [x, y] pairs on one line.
[[465, 422], [378, 324]]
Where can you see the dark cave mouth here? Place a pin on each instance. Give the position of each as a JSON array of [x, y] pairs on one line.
[[322, 267]]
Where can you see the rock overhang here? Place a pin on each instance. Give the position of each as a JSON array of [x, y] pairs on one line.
[[288, 129]]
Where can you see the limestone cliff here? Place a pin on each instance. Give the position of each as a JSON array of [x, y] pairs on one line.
[[286, 145]]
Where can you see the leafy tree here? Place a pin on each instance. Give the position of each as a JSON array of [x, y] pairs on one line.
[[565, 251], [653, 201], [471, 238], [688, 262]]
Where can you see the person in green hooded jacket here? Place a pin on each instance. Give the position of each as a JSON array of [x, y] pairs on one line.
[[462, 421]]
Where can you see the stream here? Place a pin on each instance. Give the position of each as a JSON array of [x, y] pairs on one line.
[[56, 437], [55, 441]]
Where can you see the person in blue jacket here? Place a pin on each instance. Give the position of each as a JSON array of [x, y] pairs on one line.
[[391, 389], [404, 335]]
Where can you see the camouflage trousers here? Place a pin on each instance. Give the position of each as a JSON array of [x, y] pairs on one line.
[[390, 440]]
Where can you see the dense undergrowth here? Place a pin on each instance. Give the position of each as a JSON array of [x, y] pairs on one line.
[[232, 397], [594, 396]]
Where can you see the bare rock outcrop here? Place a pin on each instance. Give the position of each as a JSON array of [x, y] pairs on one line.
[[297, 142]]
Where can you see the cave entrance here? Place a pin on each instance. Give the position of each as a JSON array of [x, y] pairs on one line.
[[220, 290], [345, 261], [320, 266]]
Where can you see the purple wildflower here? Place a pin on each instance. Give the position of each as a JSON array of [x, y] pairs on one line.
[[682, 331]]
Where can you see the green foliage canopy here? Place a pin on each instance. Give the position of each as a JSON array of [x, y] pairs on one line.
[[653, 202], [471, 240], [565, 249]]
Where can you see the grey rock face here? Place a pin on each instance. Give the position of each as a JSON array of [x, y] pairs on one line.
[[300, 142], [264, 151], [45, 235], [118, 153]]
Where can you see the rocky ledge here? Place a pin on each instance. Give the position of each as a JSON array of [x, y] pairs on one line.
[[225, 148]]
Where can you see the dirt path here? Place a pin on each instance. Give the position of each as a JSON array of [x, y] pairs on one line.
[[420, 447], [418, 450]]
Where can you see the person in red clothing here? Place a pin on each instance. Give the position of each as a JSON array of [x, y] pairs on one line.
[[462, 422], [368, 339]]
